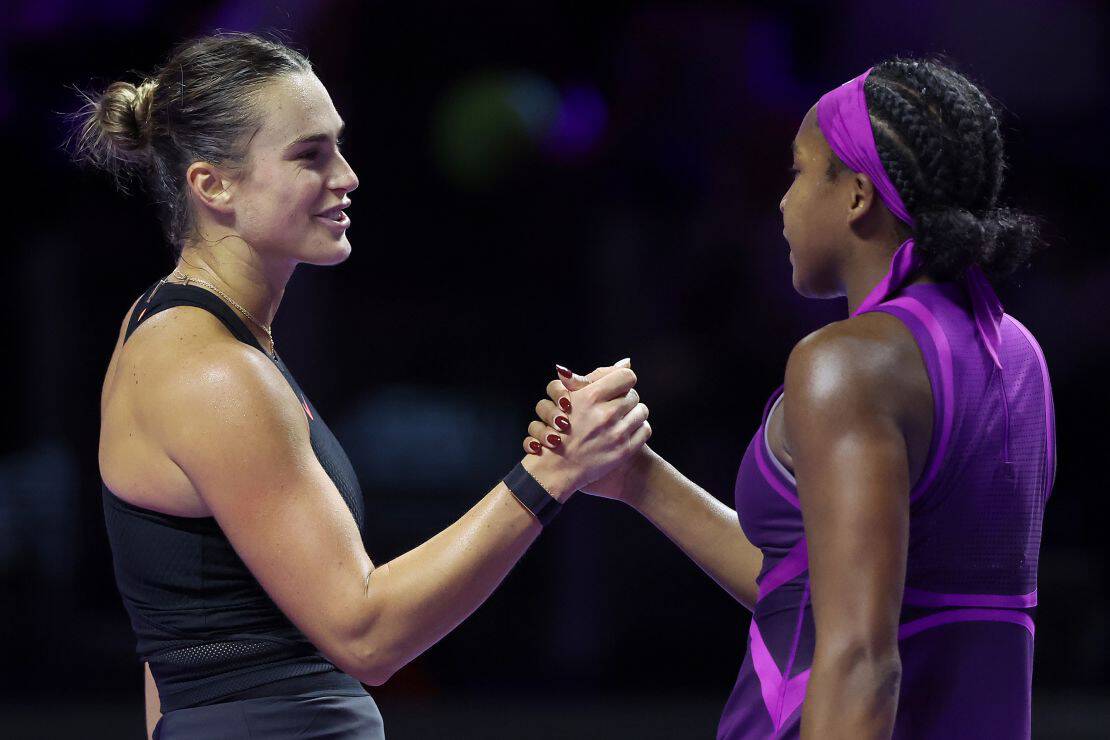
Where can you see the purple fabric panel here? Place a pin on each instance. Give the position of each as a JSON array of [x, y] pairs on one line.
[[1049, 411], [781, 486], [790, 567], [917, 597], [910, 629], [941, 379], [792, 698], [770, 680], [797, 630], [745, 716], [772, 476], [781, 696], [968, 680], [769, 521]]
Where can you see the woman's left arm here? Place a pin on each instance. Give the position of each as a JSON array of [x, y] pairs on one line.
[[843, 409]]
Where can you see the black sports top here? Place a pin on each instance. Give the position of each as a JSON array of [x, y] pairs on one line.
[[209, 631]]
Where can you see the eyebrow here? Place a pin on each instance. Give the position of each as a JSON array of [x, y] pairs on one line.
[[794, 148], [314, 138]]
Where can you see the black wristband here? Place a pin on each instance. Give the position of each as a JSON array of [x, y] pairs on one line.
[[529, 492]]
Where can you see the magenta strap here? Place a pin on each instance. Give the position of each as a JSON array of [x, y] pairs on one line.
[[917, 597], [909, 629], [792, 565]]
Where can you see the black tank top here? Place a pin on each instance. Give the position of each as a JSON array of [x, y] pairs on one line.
[[203, 622]]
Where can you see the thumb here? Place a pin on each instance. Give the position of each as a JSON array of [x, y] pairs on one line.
[[573, 381]]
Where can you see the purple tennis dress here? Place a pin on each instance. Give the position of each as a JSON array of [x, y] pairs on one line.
[[966, 635]]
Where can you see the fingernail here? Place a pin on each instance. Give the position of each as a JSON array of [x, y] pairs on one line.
[[564, 404], [623, 363], [534, 446], [563, 371], [562, 422], [554, 440]]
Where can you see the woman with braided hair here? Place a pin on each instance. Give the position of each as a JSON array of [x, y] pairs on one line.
[[890, 503]]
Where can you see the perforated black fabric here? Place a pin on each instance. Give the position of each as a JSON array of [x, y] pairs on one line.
[[201, 619]]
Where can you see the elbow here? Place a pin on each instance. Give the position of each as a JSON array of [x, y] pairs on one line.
[[370, 664], [871, 670]]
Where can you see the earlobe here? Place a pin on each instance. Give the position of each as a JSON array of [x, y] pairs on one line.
[[863, 195]]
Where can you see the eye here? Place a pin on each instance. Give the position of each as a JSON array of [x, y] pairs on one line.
[[309, 154], [794, 171]]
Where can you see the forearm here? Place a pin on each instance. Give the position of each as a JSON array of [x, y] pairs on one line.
[[702, 527], [851, 696], [420, 596]]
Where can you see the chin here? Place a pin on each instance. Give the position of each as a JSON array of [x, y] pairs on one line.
[[330, 254]]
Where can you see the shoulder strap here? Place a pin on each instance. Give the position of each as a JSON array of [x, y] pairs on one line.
[[164, 295]]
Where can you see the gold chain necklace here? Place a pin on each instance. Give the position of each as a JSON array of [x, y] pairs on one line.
[[190, 279]]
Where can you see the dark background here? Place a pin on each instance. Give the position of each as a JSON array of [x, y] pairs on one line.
[[541, 182]]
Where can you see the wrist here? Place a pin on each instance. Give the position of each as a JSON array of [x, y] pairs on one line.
[[554, 473], [636, 489]]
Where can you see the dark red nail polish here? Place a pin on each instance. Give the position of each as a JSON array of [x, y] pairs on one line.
[[534, 446], [554, 440], [563, 371], [562, 422], [564, 404]]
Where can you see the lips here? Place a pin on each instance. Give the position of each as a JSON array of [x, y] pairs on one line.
[[335, 214], [335, 218]]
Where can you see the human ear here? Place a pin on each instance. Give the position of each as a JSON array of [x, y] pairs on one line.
[[862, 196], [210, 186]]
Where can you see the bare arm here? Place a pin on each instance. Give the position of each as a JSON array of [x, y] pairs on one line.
[[151, 700], [702, 527], [230, 421], [842, 429]]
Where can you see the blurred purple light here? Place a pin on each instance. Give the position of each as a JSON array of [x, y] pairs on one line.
[[248, 16], [580, 124]]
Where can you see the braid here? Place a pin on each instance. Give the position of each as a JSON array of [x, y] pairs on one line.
[[939, 140]]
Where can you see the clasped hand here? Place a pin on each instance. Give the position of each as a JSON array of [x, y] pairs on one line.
[[596, 423]]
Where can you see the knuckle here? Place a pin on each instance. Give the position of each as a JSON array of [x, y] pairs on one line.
[[554, 389]]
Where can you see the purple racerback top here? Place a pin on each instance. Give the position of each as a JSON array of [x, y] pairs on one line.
[[966, 635]]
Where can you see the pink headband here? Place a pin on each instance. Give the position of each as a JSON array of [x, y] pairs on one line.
[[843, 118]]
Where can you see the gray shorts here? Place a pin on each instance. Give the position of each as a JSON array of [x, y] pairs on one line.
[[315, 714]]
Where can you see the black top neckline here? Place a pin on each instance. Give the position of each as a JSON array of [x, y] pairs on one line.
[[166, 292]]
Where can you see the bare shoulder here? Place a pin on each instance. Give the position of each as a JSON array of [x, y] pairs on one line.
[[203, 388], [198, 392], [870, 360]]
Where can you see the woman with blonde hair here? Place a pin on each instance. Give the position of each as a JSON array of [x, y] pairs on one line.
[[235, 518]]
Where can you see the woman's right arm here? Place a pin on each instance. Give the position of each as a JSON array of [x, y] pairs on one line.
[[702, 527], [229, 420]]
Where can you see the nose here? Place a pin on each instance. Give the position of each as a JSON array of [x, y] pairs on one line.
[[345, 178], [782, 205]]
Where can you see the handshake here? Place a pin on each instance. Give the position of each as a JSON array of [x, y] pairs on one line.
[[590, 431]]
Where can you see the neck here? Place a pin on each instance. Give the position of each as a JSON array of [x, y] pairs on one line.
[[237, 270], [869, 268]]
